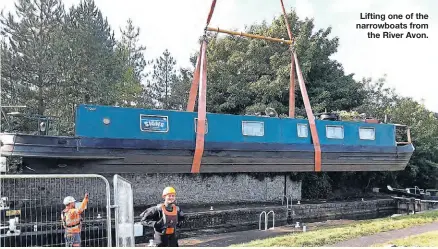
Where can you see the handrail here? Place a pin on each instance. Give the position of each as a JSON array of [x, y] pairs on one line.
[[291, 199], [287, 200], [266, 220], [273, 219], [260, 220]]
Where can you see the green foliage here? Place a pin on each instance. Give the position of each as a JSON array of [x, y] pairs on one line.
[[181, 89], [32, 52], [164, 77], [422, 169], [54, 59], [129, 90], [246, 75]]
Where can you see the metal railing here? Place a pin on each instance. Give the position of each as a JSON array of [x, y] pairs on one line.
[[289, 199], [31, 209], [266, 220]]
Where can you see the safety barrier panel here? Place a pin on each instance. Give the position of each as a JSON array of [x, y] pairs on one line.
[[31, 207], [124, 214]]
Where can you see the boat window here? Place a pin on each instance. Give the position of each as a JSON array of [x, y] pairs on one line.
[[303, 131], [253, 128], [196, 125], [367, 133], [336, 132]]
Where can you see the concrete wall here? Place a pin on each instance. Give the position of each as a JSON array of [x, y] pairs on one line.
[[147, 188], [212, 188], [250, 215]]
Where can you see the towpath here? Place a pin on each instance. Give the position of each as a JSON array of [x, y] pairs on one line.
[[387, 236]]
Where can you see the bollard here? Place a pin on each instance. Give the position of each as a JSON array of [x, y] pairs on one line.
[[304, 229]]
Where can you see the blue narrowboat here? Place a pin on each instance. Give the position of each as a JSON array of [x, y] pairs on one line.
[[127, 140]]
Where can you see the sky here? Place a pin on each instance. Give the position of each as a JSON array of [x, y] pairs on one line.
[[409, 63]]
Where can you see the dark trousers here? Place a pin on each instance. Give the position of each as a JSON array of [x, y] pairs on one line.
[[163, 240]]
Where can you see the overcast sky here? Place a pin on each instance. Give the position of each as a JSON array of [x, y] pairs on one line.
[[410, 64]]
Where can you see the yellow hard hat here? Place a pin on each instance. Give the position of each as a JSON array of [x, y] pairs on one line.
[[168, 190]]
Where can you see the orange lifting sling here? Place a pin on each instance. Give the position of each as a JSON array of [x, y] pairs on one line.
[[200, 75]]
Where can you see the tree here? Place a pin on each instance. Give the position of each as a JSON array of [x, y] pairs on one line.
[[181, 90], [32, 51], [92, 45], [133, 52], [91, 69], [164, 78], [422, 169], [131, 58], [249, 74], [379, 98]]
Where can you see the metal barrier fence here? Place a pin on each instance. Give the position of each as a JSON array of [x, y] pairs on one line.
[[31, 207], [124, 215]]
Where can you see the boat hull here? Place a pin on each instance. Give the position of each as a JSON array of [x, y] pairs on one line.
[[44, 154]]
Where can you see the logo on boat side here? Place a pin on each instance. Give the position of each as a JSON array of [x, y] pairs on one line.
[[153, 123]]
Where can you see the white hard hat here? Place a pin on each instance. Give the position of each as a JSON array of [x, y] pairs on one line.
[[68, 200]]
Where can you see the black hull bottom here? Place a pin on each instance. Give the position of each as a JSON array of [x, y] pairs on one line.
[[49, 155]]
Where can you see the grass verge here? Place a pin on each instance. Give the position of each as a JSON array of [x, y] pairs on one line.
[[428, 239], [329, 236]]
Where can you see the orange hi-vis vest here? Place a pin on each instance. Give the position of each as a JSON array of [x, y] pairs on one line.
[[170, 218], [72, 219]]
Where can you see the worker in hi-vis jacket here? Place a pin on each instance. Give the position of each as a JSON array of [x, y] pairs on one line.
[[72, 220], [165, 218]]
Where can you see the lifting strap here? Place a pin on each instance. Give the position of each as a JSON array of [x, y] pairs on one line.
[[200, 129], [200, 75], [310, 116], [306, 101], [195, 85]]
